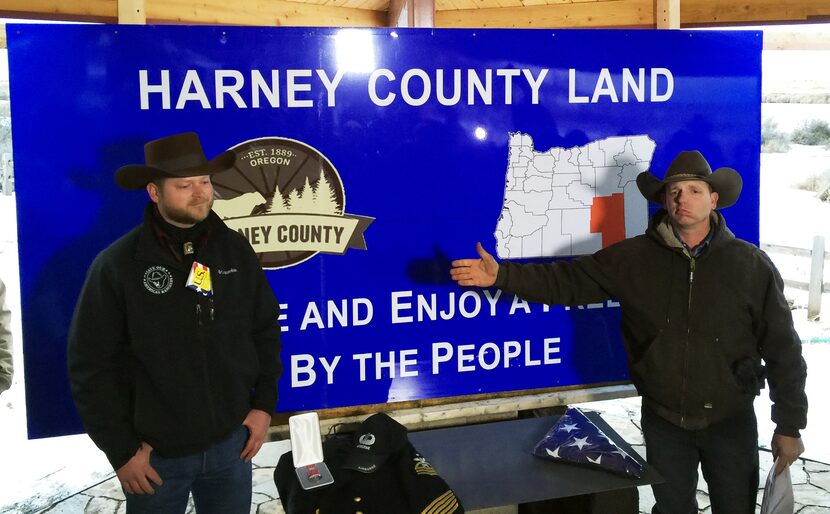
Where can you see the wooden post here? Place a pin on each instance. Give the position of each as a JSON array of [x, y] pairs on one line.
[[816, 279], [132, 12], [412, 13], [397, 13], [667, 14], [422, 13]]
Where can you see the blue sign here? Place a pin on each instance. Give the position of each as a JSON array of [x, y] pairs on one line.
[[367, 161]]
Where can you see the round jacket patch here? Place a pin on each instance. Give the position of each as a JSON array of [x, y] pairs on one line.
[[158, 279]]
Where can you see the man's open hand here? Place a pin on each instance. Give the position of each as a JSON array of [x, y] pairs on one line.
[[479, 272]]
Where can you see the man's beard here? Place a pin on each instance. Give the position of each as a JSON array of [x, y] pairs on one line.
[[190, 215]]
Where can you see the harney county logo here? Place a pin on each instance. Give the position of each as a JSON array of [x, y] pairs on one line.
[[288, 200]]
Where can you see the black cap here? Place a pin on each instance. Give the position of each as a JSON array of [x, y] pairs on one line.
[[378, 437]]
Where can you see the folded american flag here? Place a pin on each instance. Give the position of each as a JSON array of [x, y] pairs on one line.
[[575, 438]]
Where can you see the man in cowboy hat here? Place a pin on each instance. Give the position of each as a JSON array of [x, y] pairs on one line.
[[701, 309], [174, 345]]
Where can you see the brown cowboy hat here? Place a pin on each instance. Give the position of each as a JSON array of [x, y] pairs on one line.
[[175, 156], [691, 165]]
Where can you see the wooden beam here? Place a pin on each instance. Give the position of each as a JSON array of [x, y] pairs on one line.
[[218, 12], [667, 14], [66, 10], [573, 13], [261, 12], [460, 410], [714, 13], [639, 13], [131, 12], [610, 13]]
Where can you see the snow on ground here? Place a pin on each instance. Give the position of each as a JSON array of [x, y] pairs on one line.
[[792, 217], [70, 463]]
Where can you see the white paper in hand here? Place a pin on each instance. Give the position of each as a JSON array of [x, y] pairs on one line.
[[778, 493]]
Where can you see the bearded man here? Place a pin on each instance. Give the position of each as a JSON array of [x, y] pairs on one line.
[[174, 346]]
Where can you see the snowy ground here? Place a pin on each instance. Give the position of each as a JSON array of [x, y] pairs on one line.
[[792, 217], [45, 468]]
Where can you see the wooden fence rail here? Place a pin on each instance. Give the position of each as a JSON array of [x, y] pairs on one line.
[[816, 286]]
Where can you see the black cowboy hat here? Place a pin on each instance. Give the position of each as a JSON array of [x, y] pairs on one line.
[[175, 156], [691, 165]]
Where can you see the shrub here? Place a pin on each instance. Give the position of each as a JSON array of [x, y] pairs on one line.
[[817, 183], [812, 132], [772, 139]]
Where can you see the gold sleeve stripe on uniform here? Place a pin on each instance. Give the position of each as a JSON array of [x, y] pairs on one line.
[[444, 504], [439, 504]]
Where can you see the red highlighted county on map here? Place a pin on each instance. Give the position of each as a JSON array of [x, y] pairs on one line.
[[572, 201], [608, 218]]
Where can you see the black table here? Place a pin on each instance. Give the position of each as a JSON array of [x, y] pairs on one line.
[[491, 465]]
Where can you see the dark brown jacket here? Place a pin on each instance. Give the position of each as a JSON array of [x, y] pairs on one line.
[[696, 329]]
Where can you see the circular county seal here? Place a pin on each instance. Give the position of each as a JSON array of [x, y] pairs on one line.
[[286, 198]]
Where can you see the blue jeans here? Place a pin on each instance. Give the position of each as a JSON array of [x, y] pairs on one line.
[[727, 453], [218, 478]]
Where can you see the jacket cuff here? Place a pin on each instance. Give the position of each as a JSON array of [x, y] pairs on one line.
[[787, 431], [501, 276], [120, 457], [265, 399]]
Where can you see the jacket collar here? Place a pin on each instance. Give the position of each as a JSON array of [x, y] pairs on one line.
[[153, 243], [660, 229]]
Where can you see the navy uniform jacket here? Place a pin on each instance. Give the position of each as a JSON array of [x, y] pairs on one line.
[[405, 484], [151, 360]]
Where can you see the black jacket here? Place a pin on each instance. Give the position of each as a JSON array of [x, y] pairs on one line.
[[405, 484], [150, 360], [695, 329]]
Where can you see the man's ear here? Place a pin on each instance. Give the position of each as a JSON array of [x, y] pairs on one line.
[[153, 192], [714, 196]]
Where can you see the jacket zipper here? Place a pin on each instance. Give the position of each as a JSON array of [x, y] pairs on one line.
[[686, 348], [202, 337]]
